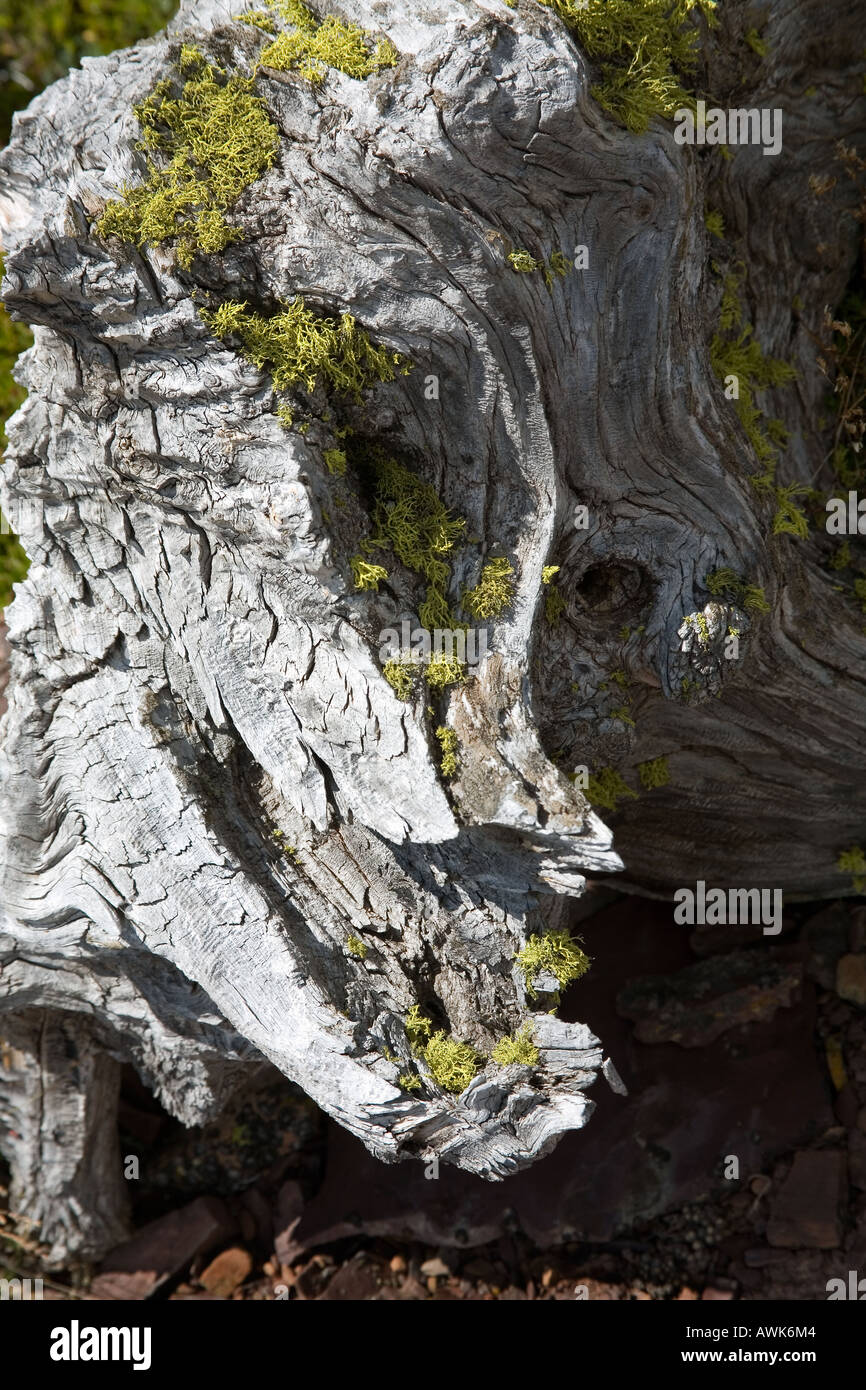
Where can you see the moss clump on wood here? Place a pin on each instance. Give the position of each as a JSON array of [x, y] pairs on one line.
[[365, 575], [494, 591], [448, 761], [400, 674], [452, 1064], [725, 584], [313, 45], [214, 138], [300, 347], [642, 48], [654, 773], [607, 788], [410, 519], [517, 1048], [14, 339], [853, 861], [555, 953]]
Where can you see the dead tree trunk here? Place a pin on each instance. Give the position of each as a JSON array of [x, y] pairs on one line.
[[227, 837]]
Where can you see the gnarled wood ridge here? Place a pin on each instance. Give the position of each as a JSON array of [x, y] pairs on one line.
[[381, 328]]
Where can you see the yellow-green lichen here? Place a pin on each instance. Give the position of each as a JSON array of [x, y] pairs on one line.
[[853, 861], [14, 338], [409, 1080], [448, 761], [741, 365], [417, 1028], [654, 773], [714, 223], [410, 519], [443, 670], [356, 947], [213, 138], [335, 461], [300, 347], [494, 591], [313, 45], [548, 573], [642, 49], [523, 262], [623, 714], [519, 1047], [725, 584], [756, 43], [554, 605], [259, 19], [365, 575], [607, 788], [400, 673], [452, 1064], [555, 953]]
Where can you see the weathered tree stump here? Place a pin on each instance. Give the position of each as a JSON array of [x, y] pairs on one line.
[[227, 836]]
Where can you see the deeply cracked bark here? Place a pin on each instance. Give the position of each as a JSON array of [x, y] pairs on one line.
[[194, 679]]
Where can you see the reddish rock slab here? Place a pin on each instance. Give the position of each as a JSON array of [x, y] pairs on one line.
[[697, 1005], [806, 1213], [162, 1249]]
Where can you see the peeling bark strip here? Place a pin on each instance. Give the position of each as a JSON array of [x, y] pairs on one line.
[[230, 834]]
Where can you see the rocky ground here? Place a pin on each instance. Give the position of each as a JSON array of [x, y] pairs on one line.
[[735, 1168]]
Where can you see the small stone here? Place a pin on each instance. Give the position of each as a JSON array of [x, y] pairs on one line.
[[851, 979], [806, 1211], [686, 1294], [227, 1272], [711, 1294]]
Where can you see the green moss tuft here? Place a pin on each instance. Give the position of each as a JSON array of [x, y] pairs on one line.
[[493, 592], [642, 48], [365, 575], [523, 262], [417, 1028], [356, 947], [715, 224], [452, 1064], [517, 1048], [725, 584], [654, 773], [853, 861], [400, 674], [315, 45], [735, 352], [789, 519], [410, 519], [556, 953], [259, 19], [14, 339], [214, 138], [448, 762], [607, 788], [335, 461], [756, 43], [443, 670], [298, 346], [554, 606]]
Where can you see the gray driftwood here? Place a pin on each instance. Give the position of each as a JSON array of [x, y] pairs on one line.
[[192, 670]]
